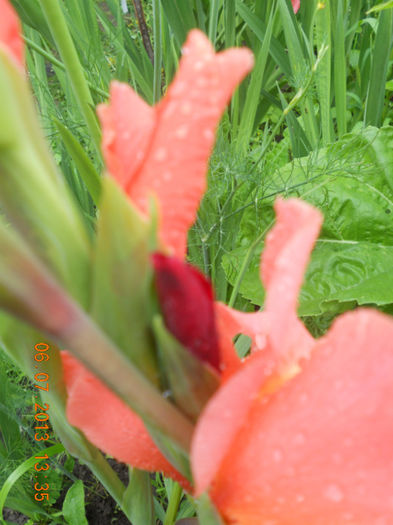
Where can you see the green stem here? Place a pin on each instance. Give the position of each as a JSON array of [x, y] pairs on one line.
[[245, 265], [59, 29], [25, 278], [157, 50], [173, 505]]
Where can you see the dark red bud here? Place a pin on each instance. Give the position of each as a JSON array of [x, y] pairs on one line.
[[187, 304]]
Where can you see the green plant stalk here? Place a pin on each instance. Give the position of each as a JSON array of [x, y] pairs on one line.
[[23, 279], [213, 20], [58, 27], [157, 51], [173, 505], [245, 265]]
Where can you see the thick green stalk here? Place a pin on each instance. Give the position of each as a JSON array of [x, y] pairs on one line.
[[28, 291], [59, 29]]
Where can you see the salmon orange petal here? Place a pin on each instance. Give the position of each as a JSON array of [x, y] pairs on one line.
[[284, 261], [224, 417], [108, 423], [296, 5], [127, 126], [10, 32], [320, 449], [175, 166]]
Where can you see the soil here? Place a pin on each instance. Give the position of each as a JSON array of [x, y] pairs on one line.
[[101, 509]]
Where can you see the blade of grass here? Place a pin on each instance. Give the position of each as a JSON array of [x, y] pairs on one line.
[[380, 62], [323, 75], [340, 70], [82, 161], [213, 20], [246, 126], [19, 471], [60, 32]]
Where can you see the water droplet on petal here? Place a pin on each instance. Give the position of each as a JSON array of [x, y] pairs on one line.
[[277, 455], [333, 493]]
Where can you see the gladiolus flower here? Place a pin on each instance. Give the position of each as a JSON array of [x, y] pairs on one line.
[[164, 150], [10, 32], [301, 433]]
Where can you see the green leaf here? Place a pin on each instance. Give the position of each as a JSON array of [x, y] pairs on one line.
[[351, 182], [32, 194], [207, 513], [84, 165], [380, 7], [138, 498], [122, 278], [379, 68], [74, 505], [191, 382], [19, 471]]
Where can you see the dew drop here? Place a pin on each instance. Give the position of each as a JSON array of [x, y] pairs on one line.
[[160, 154], [333, 493], [299, 439], [186, 108], [277, 455], [182, 132]]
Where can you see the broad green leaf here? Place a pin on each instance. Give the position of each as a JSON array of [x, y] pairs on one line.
[[74, 511], [351, 182]]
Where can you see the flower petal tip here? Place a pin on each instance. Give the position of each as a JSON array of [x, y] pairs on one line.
[[10, 32]]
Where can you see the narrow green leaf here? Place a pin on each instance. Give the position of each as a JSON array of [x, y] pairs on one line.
[[191, 382], [380, 7], [380, 62], [19, 471], [246, 126], [257, 25], [51, 224], [82, 161], [323, 75], [122, 278], [207, 513], [138, 498], [340, 70]]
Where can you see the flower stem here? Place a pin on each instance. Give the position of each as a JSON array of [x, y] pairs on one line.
[[59, 29], [173, 505]]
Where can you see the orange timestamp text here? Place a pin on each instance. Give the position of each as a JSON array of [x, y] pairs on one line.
[[41, 427]]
